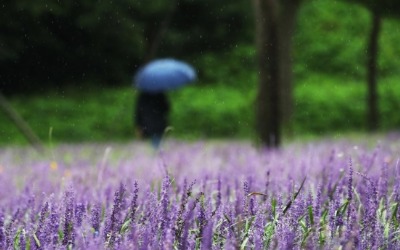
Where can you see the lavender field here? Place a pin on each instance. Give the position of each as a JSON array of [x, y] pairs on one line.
[[328, 194]]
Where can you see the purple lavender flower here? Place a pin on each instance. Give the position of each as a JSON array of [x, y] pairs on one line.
[[164, 218], [134, 202], [184, 239], [180, 222], [267, 183], [22, 242], [219, 195], [54, 226], [80, 210], [339, 210], [246, 191], [383, 184], [10, 230], [308, 204], [201, 219], [68, 230], [41, 231], [371, 213], [2, 235], [95, 219], [111, 231], [350, 182], [207, 237], [317, 204]]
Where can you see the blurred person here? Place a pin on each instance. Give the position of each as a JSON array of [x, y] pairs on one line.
[[151, 116]]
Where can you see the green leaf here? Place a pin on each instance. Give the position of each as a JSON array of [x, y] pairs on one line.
[[323, 222], [303, 225], [17, 239], [269, 231], [273, 206], [125, 226], [304, 240], [289, 204], [244, 243], [248, 224], [227, 218], [321, 239], [386, 230], [311, 215], [342, 209], [36, 240], [323, 217], [394, 213]]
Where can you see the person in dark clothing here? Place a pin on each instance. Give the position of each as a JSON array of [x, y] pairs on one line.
[[151, 116]]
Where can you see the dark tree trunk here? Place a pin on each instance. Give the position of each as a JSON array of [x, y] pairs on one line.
[[372, 55], [287, 22], [268, 99], [156, 39]]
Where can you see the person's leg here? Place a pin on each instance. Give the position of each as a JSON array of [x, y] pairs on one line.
[[156, 141]]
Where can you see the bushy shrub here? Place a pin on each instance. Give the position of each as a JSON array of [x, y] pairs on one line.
[[332, 37], [212, 112], [323, 105]]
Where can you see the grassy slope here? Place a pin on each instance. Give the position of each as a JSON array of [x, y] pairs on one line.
[[323, 106]]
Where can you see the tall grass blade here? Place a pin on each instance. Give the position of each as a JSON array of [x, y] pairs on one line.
[[289, 204]]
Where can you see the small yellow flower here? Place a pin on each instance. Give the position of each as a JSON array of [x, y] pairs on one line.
[[53, 165]]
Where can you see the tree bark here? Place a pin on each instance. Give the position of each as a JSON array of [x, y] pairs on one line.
[[287, 22], [372, 56], [156, 40], [268, 99]]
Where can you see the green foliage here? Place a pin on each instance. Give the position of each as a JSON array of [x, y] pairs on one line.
[[74, 42], [90, 115], [50, 44], [324, 105], [67, 43], [212, 112], [202, 26], [233, 68], [383, 7], [331, 38]]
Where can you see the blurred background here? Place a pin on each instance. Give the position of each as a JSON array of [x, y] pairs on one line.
[[67, 67]]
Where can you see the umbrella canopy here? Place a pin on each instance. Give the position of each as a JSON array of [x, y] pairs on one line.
[[164, 74]]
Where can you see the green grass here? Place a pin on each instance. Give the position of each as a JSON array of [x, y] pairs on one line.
[[323, 106]]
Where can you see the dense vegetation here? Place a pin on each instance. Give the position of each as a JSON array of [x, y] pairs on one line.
[[323, 106], [327, 195], [48, 44], [329, 60]]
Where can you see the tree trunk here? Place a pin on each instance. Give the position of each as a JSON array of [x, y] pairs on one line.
[[268, 99], [156, 39], [372, 55], [287, 22]]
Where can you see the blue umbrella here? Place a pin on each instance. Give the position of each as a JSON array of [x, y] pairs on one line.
[[164, 74]]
